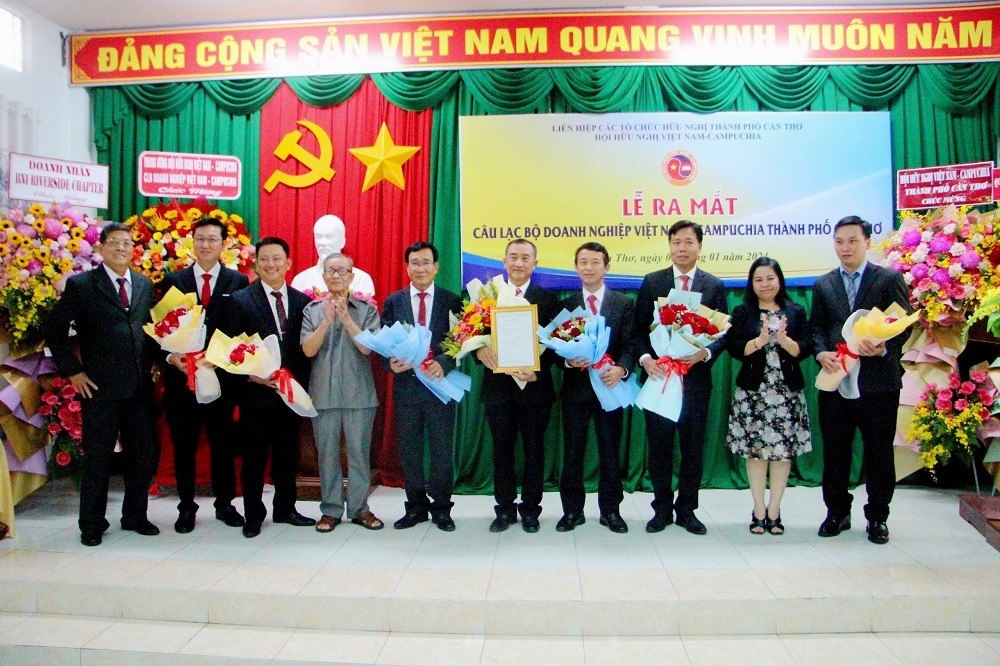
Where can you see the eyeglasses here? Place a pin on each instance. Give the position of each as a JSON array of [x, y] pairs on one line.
[[330, 272], [207, 240], [420, 264], [114, 242]]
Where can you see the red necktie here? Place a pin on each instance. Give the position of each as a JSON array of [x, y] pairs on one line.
[[279, 305], [684, 282], [122, 293], [206, 290], [592, 301], [422, 310], [517, 292]]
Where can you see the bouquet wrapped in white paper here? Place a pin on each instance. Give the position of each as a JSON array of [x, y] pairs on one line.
[[582, 335], [179, 328], [873, 326], [251, 356], [411, 344]]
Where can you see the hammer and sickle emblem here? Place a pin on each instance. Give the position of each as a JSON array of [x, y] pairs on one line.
[[319, 166]]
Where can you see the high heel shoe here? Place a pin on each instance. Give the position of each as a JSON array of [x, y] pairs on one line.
[[774, 526], [758, 523]]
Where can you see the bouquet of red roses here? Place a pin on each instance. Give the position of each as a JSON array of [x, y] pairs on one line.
[[61, 406], [570, 330]]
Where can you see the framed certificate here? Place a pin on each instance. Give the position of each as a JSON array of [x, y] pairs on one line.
[[515, 338]]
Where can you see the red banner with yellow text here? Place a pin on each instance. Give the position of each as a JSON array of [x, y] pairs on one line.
[[675, 37]]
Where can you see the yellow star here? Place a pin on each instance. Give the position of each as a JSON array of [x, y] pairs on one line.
[[384, 160]]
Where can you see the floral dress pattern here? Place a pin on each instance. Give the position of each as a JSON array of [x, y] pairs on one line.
[[770, 423]]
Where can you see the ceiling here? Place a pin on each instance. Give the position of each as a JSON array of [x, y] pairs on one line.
[[84, 15]]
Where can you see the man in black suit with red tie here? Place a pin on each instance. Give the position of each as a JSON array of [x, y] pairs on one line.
[[269, 307], [108, 307], [685, 248], [580, 403], [855, 285], [511, 409], [417, 411], [212, 283]]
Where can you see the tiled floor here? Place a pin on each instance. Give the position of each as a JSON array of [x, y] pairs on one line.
[[422, 596]]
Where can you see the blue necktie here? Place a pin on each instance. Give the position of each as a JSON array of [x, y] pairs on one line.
[[852, 289]]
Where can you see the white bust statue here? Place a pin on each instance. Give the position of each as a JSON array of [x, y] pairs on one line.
[[329, 236]]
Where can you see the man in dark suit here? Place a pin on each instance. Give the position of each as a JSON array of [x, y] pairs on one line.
[[417, 410], [108, 307], [857, 284], [580, 403], [269, 307], [511, 409], [685, 248], [211, 282]]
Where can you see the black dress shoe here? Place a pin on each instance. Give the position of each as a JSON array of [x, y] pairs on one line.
[[91, 538], [614, 522], [530, 524], [444, 523], [185, 522], [834, 525], [143, 527], [502, 522], [250, 530], [659, 522], [295, 519], [569, 521], [230, 516], [878, 531], [691, 523], [410, 519]]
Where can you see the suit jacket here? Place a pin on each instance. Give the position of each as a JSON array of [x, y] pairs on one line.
[[746, 326], [174, 381], [659, 283], [618, 312], [397, 307], [248, 311], [499, 387], [879, 288], [115, 352]]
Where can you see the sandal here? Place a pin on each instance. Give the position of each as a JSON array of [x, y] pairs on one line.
[[368, 521], [757, 523], [327, 523], [775, 527]]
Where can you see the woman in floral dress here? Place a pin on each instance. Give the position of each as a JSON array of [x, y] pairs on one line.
[[768, 423]]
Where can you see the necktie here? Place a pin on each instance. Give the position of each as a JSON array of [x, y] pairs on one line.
[[517, 292], [852, 289], [122, 293], [684, 282], [206, 290], [279, 305], [592, 302], [422, 310]]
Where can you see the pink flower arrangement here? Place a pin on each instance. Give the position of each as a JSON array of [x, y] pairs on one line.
[[948, 258], [60, 405]]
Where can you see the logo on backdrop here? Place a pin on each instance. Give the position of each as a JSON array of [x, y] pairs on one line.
[[318, 165], [679, 167]]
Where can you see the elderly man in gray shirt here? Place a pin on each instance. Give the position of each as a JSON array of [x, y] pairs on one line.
[[343, 391]]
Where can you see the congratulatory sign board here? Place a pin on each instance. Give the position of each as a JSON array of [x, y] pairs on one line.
[[659, 37], [760, 183]]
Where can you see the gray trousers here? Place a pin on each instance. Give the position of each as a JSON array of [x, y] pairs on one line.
[[356, 424]]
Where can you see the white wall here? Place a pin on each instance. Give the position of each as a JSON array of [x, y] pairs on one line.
[[61, 119]]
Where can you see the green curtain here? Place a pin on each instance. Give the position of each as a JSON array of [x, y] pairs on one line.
[[939, 114]]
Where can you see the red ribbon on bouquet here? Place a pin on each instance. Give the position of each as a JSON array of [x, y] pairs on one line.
[[426, 363], [284, 378], [191, 364], [672, 367], [843, 351], [605, 360]]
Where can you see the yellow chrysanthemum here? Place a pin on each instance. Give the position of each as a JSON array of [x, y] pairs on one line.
[[37, 210], [6, 224], [38, 225], [78, 232], [65, 265], [22, 261], [42, 254], [73, 245]]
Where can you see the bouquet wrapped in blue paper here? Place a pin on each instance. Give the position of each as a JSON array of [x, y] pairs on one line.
[[581, 335], [411, 344]]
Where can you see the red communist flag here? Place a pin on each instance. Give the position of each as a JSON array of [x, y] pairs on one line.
[[367, 162]]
